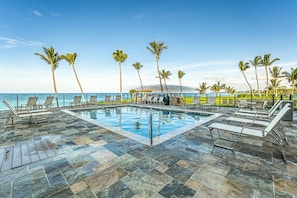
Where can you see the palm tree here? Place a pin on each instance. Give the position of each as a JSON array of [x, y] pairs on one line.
[[230, 90], [273, 86], [165, 75], [217, 87], [180, 75], [138, 66], [132, 92], [70, 58], [202, 88], [243, 67], [156, 48], [256, 62], [120, 57], [275, 72], [291, 77], [266, 63], [52, 58]]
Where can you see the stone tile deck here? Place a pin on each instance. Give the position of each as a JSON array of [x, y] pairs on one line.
[[92, 161]]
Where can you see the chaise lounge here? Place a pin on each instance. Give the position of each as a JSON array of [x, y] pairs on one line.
[[31, 114], [241, 131]]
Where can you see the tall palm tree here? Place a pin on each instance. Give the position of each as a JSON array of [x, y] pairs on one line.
[[291, 77], [132, 92], [202, 88], [275, 73], [156, 48], [230, 90], [243, 67], [273, 86], [70, 58], [52, 58], [266, 62], [180, 75], [165, 75], [138, 66], [256, 62], [217, 87], [120, 57]]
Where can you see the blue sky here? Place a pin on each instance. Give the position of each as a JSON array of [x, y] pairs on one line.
[[205, 38]]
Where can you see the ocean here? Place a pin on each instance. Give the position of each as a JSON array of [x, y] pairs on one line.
[[65, 99]]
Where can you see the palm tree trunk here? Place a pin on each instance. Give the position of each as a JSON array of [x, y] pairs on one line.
[[266, 69], [258, 89], [159, 75], [248, 84], [181, 89], [55, 87], [140, 79], [81, 90], [166, 85], [120, 81]]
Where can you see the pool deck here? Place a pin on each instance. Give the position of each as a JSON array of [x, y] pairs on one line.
[[88, 160]]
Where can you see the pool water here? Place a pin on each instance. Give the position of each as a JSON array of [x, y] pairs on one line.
[[137, 120]]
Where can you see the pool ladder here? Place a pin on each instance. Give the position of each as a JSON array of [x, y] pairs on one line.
[[151, 126]]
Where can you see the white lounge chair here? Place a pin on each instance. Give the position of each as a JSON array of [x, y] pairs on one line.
[[31, 104], [275, 106], [149, 100], [118, 99], [13, 113], [161, 100], [76, 101], [107, 99], [93, 100], [253, 121], [241, 104], [211, 103], [48, 103], [155, 100], [259, 113], [143, 99], [240, 132], [195, 103]]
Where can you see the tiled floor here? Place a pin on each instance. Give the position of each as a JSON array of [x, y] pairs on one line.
[[92, 161]]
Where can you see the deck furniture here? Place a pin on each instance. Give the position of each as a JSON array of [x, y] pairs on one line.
[[238, 132]]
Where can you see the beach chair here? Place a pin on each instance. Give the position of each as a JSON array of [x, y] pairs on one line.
[[76, 101], [261, 105], [48, 103], [23, 114], [31, 104], [259, 113], [93, 100], [107, 99], [161, 100], [118, 99], [155, 100], [252, 121], [195, 103], [149, 99], [239, 132], [241, 104], [144, 99], [211, 103]]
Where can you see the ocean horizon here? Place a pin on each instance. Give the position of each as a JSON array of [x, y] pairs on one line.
[[65, 99]]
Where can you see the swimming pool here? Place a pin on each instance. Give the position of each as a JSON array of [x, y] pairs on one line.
[[134, 121]]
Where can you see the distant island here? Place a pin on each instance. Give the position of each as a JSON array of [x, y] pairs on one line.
[[171, 88]]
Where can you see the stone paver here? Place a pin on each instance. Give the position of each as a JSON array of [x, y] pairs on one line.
[[92, 161]]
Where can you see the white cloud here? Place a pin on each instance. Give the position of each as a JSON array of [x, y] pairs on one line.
[[12, 43], [37, 13]]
